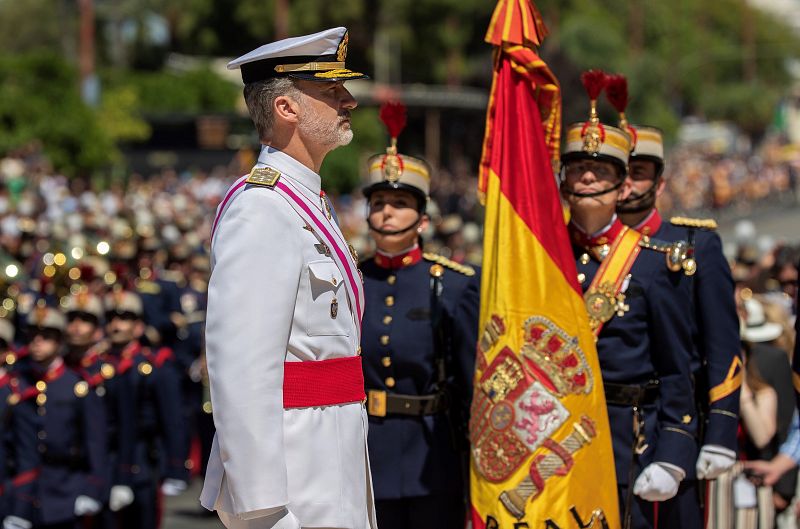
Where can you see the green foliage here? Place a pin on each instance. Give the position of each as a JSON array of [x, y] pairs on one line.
[[194, 91], [36, 25], [719, 60], [39, 101], [341, 172], [692, 58], [118, 115]]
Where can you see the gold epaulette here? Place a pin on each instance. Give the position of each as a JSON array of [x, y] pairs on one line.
[[263, 176], [706, 224], [449, 263]]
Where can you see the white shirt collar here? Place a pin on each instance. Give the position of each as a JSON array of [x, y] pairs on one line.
[[291, 168], [409, 249]]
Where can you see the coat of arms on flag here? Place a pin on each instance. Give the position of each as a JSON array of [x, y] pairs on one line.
[[541, 446]]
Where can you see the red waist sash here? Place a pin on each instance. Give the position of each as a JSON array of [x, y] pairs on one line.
[[323, 383]]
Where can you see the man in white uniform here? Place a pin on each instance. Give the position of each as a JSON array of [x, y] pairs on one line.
[[285, 301]]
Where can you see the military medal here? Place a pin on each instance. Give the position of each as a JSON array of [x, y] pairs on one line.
[[602, 303], [334, 308], [325, 204]]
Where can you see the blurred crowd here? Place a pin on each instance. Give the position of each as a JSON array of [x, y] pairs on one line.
[[765, 274], [142, 249], [699, 179]]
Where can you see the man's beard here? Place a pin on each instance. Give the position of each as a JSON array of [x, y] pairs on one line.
[[328, 133], [637, 203]]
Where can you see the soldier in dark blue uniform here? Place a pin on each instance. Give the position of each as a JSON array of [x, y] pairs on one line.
[[137, 269], [716, 364], [418, 343], [147, 436], [6, 338], [189, 347], [638, 312], [160, 296], [55, 417], [84, 332]]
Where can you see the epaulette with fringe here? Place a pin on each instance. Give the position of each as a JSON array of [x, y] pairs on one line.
[[687, 222], [449, 263]]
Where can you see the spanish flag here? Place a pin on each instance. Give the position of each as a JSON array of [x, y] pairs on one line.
[[541, 452]]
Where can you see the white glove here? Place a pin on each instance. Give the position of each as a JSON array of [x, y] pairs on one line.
[[173, 487], [86, 506], [658, 482], [714, 460], [15, 522], [121, 496]]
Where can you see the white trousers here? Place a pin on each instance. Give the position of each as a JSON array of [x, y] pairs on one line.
[[282, 519]]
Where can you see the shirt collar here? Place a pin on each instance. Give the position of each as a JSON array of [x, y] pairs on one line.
[[603, 236], [291, 168]]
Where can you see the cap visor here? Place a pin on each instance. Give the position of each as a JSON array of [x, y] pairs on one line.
[[329, 76]]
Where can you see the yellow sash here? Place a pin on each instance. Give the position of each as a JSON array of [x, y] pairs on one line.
[[603, 298]]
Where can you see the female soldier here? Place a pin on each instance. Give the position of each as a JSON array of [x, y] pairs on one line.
[[418, 343]]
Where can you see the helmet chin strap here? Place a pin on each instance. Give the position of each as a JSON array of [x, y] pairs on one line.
[[395, 232], [594, 193], [636, 203]]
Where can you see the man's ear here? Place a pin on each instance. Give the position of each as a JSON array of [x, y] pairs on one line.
[[286, 108], [662, 184], [424, 222]]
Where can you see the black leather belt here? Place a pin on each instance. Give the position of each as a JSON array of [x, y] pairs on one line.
[[381, 403], [631, 395]]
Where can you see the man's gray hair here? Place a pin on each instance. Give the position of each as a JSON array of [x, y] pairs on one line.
[[260, 96]]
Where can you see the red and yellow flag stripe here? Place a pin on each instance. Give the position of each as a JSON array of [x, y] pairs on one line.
[[541, 448]]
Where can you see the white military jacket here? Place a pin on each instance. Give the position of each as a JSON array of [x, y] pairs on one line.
[[270, 300]]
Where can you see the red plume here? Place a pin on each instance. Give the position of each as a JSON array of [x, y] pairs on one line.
[[617, 92], [594, 81], [393, 116]]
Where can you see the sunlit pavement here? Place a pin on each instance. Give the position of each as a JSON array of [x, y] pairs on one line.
[[779, 222], [185, 512]]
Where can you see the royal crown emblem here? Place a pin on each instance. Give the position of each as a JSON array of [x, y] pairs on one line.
[[516, 409]]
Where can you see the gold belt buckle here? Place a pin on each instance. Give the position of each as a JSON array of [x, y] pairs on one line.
[[376, 403]]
